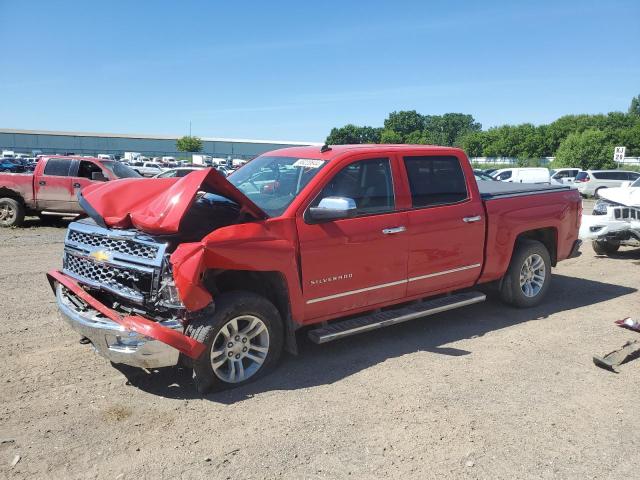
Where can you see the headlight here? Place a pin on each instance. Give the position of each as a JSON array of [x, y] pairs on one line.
[[601, 207], [168, 293]]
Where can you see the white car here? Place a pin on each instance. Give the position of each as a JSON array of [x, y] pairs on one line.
[[522, 175], [564, 175], [615, 220], [149, 169], [591, 182]]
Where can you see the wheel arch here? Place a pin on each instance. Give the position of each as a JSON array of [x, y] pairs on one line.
[[8, 193], [548, 236], [272, 285]]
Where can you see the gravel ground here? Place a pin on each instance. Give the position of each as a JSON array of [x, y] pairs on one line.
[[486, 391]]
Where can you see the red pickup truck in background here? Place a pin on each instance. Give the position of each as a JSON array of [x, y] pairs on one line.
[[220, 273], [51, 190]]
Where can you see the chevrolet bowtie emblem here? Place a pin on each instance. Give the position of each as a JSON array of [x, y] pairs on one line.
[[100, 255]]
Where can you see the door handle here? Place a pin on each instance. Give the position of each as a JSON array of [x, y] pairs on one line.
[[476, 218], [391, 231], [42, 182], [76, 185]]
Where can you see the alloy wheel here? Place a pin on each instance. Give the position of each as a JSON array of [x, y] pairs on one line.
[[240, 348], [532, 275]]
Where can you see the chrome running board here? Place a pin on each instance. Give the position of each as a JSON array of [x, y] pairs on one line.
[[366, 323]]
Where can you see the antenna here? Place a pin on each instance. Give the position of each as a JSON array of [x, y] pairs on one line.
[[325, 148]]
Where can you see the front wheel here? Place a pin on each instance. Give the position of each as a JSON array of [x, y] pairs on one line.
[[11, 213], [605, 247], [244, 339], [529, 274]]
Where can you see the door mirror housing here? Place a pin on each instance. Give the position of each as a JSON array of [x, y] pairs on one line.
[[626, 184], [98, 177], [332, 208]]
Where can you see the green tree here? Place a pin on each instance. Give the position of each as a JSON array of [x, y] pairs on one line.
[[350, 134], [404, 122], [587, 149], [472, 143], [391, 136], [189, 144], [634, 108]]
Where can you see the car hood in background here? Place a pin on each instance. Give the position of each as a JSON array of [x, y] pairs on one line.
[[156, 205], [629, 196]]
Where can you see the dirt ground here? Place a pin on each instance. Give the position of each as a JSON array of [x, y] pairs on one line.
[[486, 391]]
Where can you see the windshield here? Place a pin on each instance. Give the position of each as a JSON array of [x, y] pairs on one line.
[[273, 182], [120, 170], [636, 183]]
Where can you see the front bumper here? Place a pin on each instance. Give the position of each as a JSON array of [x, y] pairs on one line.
[[130, 340]]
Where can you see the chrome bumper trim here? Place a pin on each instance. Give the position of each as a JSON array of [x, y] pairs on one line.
[[117, 344]]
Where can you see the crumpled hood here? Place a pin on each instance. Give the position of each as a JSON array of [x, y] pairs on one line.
[[156, 205], [629, 196]]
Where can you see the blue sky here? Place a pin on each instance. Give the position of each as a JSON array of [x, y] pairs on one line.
[[293, 69]]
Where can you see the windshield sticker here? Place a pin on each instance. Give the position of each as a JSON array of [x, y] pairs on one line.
[[308, 163]]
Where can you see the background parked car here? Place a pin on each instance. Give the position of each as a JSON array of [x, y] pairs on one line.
[[522, 175], [148, 169], [8, 165], [564, 175], [590, 182], [482, 175]]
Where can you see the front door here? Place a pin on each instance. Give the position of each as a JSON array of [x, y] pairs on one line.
[[360, 261], [81, 176], [53, 188], [446, 225]]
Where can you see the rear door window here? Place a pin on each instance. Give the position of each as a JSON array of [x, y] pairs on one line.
[[436, 180], [58, 167]]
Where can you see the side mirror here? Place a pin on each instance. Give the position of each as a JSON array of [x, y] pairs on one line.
[[98, 177], [332, 208], [626, 184]]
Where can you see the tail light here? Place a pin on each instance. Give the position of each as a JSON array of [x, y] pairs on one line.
[[586, 178]]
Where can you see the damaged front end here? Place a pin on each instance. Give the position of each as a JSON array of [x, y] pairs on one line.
[[131, 279], [612, 222]]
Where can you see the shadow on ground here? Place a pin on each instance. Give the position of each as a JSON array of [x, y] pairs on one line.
[[328, 363]]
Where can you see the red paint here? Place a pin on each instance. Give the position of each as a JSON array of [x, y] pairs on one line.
[[39, 192], [156, 205], [436, 239], [187, 345]]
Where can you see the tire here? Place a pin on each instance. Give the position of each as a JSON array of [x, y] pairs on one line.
[[11, 213], [530, 293], [605, 247], [236, 348], [596, 194]]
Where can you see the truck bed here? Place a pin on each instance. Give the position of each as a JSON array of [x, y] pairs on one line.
[[492, 190]]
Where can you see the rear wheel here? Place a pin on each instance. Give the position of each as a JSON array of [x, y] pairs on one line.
[[529, 274], [244, 338], [11, 213], [597, 192], [605, 247]]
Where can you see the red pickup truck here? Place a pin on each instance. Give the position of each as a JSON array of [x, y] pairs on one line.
[[220, 273], [51, 190]]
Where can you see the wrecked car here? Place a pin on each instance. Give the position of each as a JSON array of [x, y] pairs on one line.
[[615, 220], [220, 274]]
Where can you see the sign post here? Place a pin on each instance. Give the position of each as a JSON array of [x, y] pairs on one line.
[[618, 154]]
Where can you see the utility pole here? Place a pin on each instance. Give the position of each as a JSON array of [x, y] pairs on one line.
[[189, 127]]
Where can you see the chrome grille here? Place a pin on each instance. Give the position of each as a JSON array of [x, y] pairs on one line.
[[127, 247], [123, 262], [124, 281], [626, 213]]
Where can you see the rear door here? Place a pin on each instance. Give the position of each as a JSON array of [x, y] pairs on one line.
[[355, 262], [446, 225], [53, 188]]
